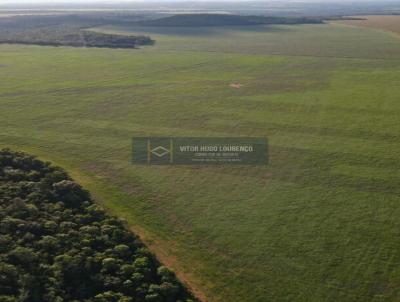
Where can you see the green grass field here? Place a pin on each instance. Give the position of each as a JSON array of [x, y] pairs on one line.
[[320, 223]]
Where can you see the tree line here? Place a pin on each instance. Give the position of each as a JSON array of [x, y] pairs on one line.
[[198, 20]]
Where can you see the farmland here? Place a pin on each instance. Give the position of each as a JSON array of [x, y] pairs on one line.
[[319, 223], [388, 23]]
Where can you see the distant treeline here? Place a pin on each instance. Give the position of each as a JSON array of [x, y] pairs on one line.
[[76, 38], [72, 30], [193, 20], [61, 30], [56, 245]]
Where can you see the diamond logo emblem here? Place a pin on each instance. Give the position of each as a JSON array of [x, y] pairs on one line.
[[160, 151]]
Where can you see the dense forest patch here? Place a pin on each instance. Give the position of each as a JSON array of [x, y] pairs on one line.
[[56, 245], [65, 31], [75, 38]]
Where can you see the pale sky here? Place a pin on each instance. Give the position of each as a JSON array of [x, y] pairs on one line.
[[8, 2], [127, 1]]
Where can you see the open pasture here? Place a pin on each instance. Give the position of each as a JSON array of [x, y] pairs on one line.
[[319, 223]]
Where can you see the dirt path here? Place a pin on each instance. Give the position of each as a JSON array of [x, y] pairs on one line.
[[172, 263]]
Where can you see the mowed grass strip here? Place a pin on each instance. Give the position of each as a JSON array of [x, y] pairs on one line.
[[319, 223]]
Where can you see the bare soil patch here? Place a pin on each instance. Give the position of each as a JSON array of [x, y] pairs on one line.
[[236, 85]]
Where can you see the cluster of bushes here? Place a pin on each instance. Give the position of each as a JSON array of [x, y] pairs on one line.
[[195, 20], [56, 245], [95, 39]]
